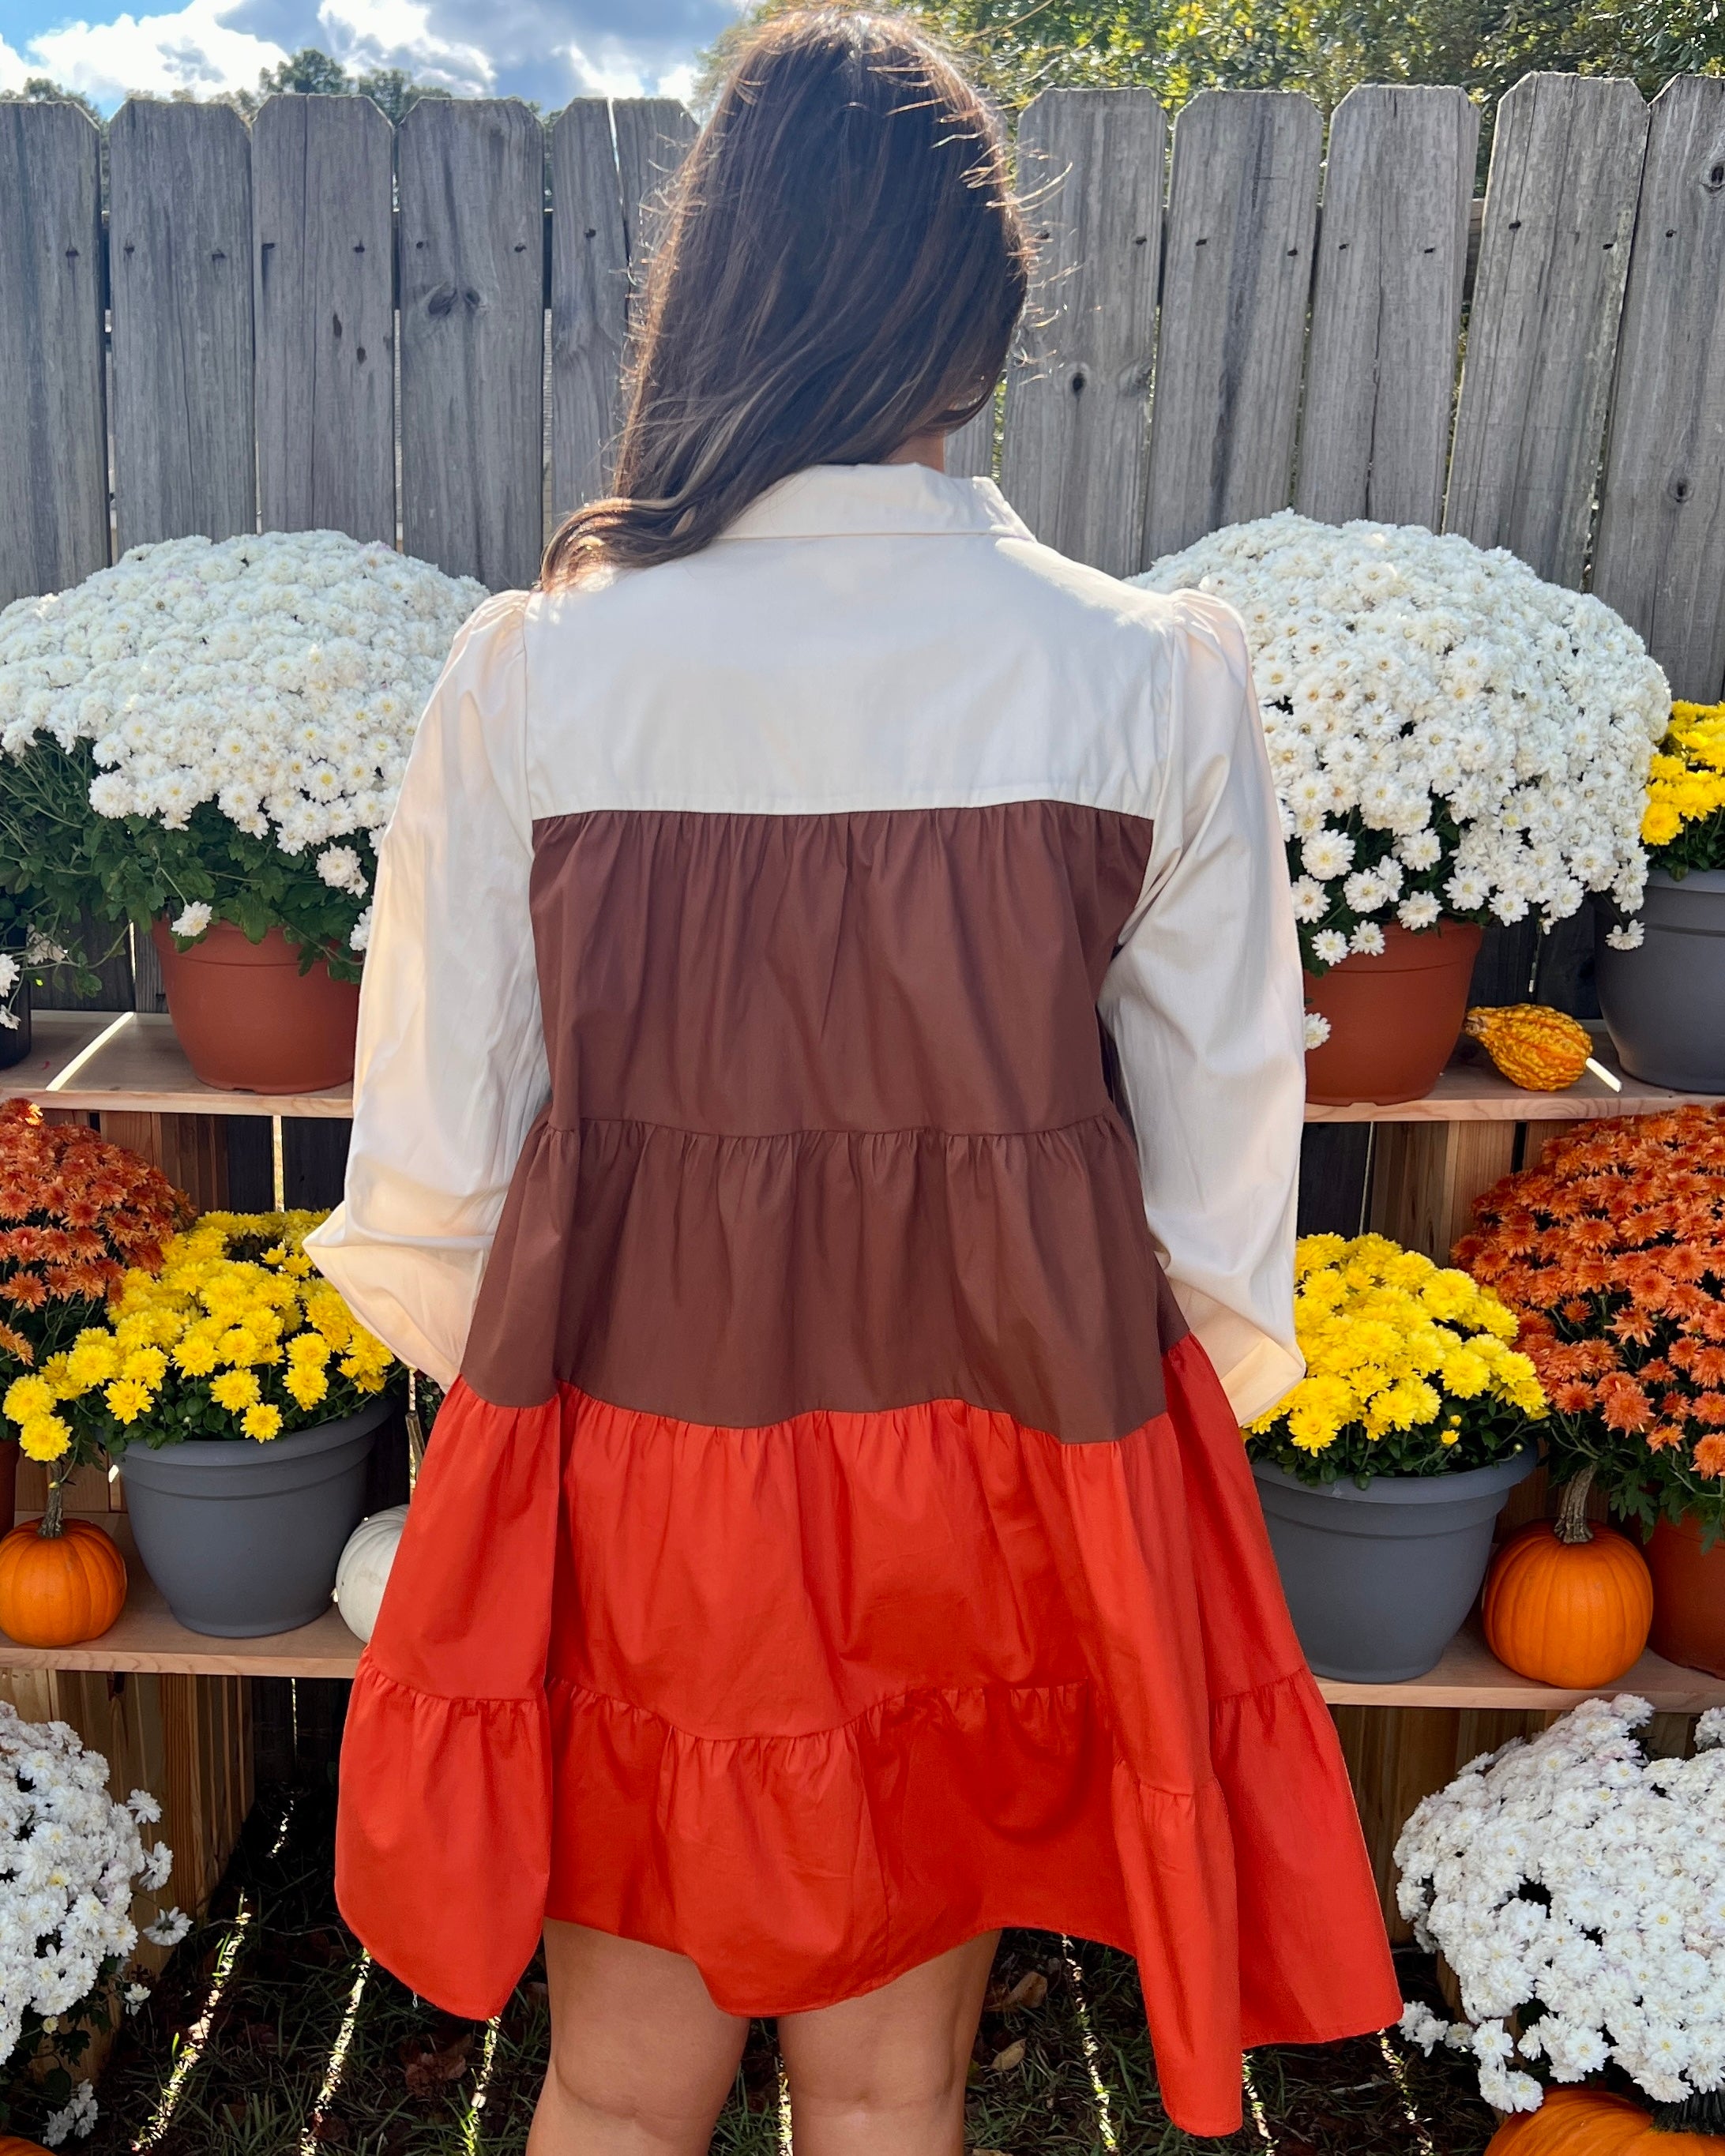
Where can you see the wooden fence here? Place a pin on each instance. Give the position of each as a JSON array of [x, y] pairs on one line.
[[417, 335]]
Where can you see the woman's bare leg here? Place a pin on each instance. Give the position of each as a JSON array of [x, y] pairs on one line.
[[641, 2059], [883, 2074]]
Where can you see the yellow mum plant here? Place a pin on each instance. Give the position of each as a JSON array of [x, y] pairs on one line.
[[1410, 1369], [236, 1336], [1683, 824]]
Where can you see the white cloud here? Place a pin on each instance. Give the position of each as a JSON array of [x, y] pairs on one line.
[[192, 49], [398, 33], [550, 49], [606, 73]]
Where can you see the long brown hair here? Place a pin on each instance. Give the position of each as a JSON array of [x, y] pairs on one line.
[[842, 269]]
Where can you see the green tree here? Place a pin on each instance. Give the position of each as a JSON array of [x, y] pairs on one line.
[[312, 72], [43, 90], [1176, 48]]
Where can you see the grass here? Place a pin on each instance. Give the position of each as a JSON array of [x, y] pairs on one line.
[[271, 2034]]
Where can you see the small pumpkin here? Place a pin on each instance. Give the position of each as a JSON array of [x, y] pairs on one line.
[[61, 1581], [1541, 1049], [1582, 2121], [1569, 1602], [363, 1572]]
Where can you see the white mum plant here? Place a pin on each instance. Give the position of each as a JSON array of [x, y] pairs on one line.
[[71, 1860], [1450, 734], [1577, 1890], [235, 717]]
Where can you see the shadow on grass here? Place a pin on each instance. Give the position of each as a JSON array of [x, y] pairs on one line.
[[272, 2035]]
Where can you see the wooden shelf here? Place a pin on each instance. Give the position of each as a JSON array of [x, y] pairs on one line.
[[1470, 1674], [129, 1062], [148, 1636], [1472, 1091]]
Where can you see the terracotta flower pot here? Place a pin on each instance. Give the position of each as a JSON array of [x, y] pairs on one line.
[[1394, 1020], [1688, 1596], [249, 1021]]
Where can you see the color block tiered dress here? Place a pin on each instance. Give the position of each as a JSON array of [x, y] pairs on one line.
[[830, 1085]]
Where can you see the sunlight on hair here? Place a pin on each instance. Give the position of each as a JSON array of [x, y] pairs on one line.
[[191, 2048], [1092, 2050], [309, 2142], [471, 2124]]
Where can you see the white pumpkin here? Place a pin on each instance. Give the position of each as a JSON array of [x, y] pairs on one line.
[[363, 1572]]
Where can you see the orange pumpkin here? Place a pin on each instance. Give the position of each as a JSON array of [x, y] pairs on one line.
[[58, 1589], [1579, 2122], [14, 2144], [1569, 1602]]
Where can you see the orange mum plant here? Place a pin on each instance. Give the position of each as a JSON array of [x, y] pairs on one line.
[[76, 1212], [1612, 1254]]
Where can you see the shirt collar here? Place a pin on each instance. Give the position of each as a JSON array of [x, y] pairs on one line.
[[859, 500]]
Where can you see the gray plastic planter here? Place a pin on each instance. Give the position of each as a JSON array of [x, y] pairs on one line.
[[1379, 1579], [244, 1537], [1663, 1004]]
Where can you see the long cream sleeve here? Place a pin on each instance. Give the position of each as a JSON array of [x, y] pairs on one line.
[[451, 1068], [1204, 1003]]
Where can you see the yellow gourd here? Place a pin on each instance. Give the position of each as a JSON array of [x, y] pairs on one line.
[[1541, 1049]]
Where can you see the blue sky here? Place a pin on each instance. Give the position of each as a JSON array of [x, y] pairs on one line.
[[549, 49]]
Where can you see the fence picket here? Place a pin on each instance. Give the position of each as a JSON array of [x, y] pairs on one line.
[[180, 250], [1387, 305], [1560, 209], [653, 139], [970, 449], [1659, 556], [322, 182], [1072, 449], [589, 300], [1242, 207], [53, 450], [471, 184]]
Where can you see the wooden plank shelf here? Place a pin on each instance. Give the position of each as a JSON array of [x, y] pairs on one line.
[[148, 1637], [1471, 1090], [1471, 1675], [130, 1063]]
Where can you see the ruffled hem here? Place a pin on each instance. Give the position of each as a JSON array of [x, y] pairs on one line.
[[681, 1726]]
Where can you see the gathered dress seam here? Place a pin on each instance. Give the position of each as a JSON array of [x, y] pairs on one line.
[[1104, 1115]]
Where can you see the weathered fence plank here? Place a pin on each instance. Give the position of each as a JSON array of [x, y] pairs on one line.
[[1392, 254], [589, 301], [180, 250], [1242, 206], [1660, 557], [54, 448], [1072, 451], [970, 449], [322, 186], [653, 139], [1560, 210], [471, 182]]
